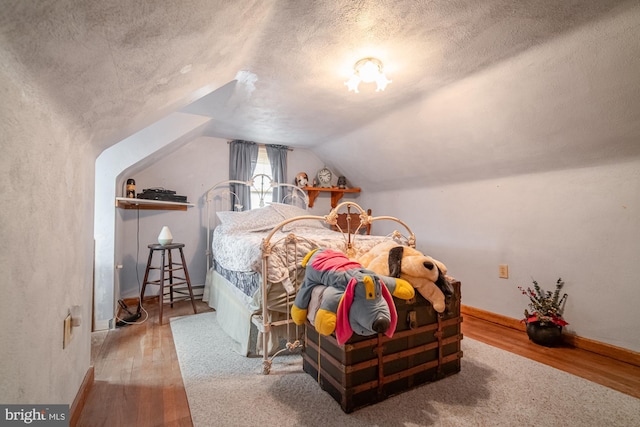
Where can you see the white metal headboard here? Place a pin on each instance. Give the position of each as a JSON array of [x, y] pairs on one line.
[[221, 196]]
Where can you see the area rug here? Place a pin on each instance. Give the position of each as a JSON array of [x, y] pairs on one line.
[[493, 388]]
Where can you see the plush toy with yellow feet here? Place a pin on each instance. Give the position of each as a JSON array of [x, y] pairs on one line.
[[351, 298]]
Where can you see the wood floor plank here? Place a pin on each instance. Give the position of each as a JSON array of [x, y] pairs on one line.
[[138, 380]]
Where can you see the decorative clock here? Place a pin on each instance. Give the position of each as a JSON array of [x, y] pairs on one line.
[[324, 177]]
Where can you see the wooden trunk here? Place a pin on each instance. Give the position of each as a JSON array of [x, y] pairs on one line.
[[366, 370]]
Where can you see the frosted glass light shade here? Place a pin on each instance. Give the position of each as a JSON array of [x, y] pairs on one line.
[[368, 70], [165, 237]]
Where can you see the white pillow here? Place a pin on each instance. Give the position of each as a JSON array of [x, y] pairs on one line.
[[261, 219], [291, 211], [288, 211]]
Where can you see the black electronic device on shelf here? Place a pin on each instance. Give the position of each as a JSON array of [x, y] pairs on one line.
[[162, 194]]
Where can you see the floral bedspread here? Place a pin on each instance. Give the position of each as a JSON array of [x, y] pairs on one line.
[[240, 250]]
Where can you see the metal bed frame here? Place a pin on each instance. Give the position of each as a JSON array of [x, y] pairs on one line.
[[262, 184]]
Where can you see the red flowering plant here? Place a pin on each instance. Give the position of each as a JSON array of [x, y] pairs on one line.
[[546, 306]]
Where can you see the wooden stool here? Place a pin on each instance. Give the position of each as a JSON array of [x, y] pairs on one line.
[[167, 267]]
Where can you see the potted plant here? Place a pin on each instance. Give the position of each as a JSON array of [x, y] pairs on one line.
[[544, 322]]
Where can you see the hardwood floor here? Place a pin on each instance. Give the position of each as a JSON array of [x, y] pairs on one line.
[[611, 373], [138, 381], [137, 375]]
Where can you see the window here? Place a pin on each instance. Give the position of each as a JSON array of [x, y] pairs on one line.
[[263, 166]]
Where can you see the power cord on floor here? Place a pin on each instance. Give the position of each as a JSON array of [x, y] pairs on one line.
[[133, 317]]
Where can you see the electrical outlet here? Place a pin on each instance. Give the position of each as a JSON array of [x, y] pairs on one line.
[[503, 271], [66, 338]]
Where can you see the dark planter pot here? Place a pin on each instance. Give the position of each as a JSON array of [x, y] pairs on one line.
[[548, 335]]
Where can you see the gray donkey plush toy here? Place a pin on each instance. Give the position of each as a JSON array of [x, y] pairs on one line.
[[353, 298]]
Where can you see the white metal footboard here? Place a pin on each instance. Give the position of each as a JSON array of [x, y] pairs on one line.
[[350, 242]]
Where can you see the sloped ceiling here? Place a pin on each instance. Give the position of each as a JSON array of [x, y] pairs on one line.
[[273, 71]]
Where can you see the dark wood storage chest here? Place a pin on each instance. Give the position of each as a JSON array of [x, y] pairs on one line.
[[366, 370]]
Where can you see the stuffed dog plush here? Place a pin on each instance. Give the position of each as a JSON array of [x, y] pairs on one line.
[[354, 299], [302, 179], [426, 274]]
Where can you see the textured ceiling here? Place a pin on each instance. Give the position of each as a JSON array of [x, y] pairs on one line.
[[267, 71], [302, 52]]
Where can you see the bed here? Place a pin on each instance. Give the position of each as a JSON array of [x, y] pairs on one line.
[[254, 261]]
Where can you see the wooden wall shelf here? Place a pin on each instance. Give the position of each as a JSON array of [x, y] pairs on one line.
[[336, 193], [143, 204]]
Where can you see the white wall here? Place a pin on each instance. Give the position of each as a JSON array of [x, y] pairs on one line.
[[541, 184], [46, 224], [578, 224], [132, 153], [190, 171], [581, 224]]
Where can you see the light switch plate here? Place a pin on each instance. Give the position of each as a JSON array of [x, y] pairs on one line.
[[67, 331]]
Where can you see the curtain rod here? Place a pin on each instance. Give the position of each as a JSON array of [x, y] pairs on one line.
[[262, 145]]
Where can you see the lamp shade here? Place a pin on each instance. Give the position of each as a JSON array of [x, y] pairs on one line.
[[368, 70]]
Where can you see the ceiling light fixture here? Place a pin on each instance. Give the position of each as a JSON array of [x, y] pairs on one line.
[[368, 70]]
